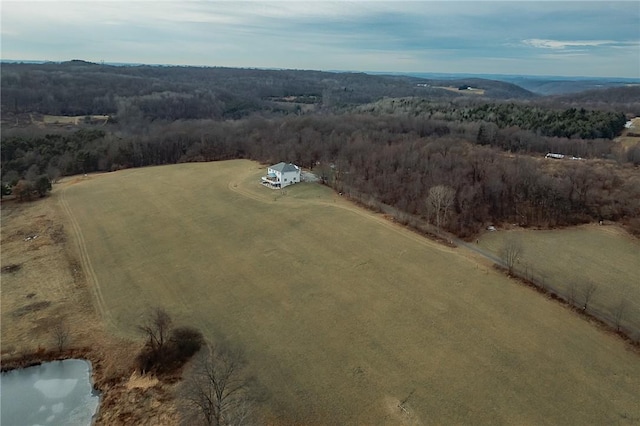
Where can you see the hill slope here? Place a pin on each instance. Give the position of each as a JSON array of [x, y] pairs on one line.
[[343, 314], [168, 92]]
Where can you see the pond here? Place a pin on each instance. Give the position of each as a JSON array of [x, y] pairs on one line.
[[54, 393]]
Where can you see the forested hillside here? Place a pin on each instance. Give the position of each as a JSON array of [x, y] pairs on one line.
[[378, 139], [571, 122], [626, 98], [158, 92]]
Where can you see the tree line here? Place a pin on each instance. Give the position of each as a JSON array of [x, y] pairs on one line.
[[571, 122], [393, 159]]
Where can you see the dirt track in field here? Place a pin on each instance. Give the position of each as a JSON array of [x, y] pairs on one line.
[[44, 284]]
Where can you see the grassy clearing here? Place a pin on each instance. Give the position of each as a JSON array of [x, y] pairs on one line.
[[75, 120], [605, 255], [342, 314], [471, 91], [625, 139]]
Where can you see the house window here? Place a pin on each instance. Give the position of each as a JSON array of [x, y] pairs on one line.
[[285, 179]]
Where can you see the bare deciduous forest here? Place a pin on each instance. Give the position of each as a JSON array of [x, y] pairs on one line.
[[384, 138]]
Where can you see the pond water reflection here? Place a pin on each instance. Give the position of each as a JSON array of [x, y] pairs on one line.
[[54, 393]]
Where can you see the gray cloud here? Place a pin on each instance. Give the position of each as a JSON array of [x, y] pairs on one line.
[[475, 36], [560, 44]]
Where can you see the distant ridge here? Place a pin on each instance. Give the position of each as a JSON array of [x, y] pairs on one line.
[[622, 94], [539, 84], [496, 86]]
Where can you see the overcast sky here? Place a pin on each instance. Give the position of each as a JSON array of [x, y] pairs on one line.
[[574, 38]]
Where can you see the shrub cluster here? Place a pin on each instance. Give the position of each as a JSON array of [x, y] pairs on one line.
[[183, 343]]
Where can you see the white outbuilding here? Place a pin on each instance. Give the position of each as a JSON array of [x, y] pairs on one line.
[[281, 175]]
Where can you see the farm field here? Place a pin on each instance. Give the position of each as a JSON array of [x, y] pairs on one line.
[[605, 255], [471, 91], [342, 314]]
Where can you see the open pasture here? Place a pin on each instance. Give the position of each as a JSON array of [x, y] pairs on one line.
[[471, 91], [604, 255], [343, 315]]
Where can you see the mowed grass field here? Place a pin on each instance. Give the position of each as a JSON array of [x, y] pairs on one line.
[[604, 255], [341, 313]]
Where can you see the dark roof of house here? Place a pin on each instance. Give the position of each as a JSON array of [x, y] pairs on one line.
[[284, 167]]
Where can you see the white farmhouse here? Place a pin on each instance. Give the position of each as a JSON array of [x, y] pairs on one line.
[[281, 175]]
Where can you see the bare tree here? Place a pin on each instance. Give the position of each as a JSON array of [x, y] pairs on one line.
[[60, 335], [618, 312], [216, 390], [511, 252], [23, 190], [439, 202], [572, 294], [53, 173], [156, 328], [166, 348], [543, 281], [588, 290]]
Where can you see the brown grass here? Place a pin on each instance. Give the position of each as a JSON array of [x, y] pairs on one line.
[[605, 255], [341, 313], [48, 287]]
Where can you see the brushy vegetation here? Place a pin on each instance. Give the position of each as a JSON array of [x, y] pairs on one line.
[[166, 348]]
